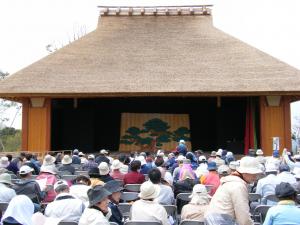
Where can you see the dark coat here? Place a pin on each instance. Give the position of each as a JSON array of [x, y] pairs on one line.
[[116, 214]]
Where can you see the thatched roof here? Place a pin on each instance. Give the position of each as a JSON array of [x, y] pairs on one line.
[[154, 55]]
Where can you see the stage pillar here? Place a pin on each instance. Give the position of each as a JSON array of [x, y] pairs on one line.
[[275, 121], [36, 125]]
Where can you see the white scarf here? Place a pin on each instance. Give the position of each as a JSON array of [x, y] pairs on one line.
[[21, 209]]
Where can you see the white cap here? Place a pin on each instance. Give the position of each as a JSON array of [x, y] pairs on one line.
[[149, 190], [103, 168], [259, 152], [182, 141], [271, 167], [202, 158], [249, 165], [103, 151], [25, 169]]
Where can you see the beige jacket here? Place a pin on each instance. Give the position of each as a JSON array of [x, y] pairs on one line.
[[232, 198], [193, 212]]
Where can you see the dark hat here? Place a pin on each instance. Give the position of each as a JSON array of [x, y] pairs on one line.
[[212, 166], [97, 194], [283, 168], [284, 190], [113, 186]]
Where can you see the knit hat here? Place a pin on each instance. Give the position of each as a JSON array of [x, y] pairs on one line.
[[149, 190], [249, 165], [103, 168], [66, 160]]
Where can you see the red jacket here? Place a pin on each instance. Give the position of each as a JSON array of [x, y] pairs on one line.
[[134, 178]]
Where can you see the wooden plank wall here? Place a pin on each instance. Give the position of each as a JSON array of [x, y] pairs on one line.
[[36, 130], [275, 121]]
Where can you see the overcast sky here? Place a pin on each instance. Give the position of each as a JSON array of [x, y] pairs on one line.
[[27, 26]]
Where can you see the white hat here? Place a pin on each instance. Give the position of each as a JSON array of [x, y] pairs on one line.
[[4, 162], [81, 154], [271, 167], [103, 151], [182, 141], [141, 159], [223, 169], [149, 190], [229, 154], [66, 160], [116, 164], [296, 172], [180, 158], [234, 165], [103, 168], [91, 156], [60, 183], [249, 165], [219, 152], [202, 158], [25, 169], [48, 160], [198, 189], [259, 152], [5, 178]]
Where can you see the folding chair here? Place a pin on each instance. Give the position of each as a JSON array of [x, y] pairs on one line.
[[3, 206], [172, 211], [81, 172], [142, 223], [113, 223], [133, 187], [272, 198], [129, 196], [181, 200], [77, 166], [67, 223], [253, 197], [125, 209], [191, 222], [69, 177], [260, 213]]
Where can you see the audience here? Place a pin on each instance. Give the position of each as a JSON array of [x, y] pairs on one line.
[[104, 172], [6, 192], [94, 175], [75, 158], [102, 157], [115, 170], [134, 177], [67, 167], [90, 163], [80, 188], [212, 178], [198, 205]]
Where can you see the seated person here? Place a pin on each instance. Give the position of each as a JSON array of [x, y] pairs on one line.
[[198, 205], [212, 178], [146, 208], [27, 186], [67, 167], [80, 188], [113, 186], [104, 172], [134, 177], [94, 175], [65, 206], [286, 211], [6, 192]]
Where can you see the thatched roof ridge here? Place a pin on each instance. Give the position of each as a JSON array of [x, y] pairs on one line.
[[154, 56]]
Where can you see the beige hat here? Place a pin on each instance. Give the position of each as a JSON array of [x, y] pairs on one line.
[[66, 160], [4, 162], [25, 170], [223, 169], [149, 190], [48, 160], [103, 151], [199, 189], [116, 164], [103, 168], [249, 165], [5, 178], [219, 152], [213, 153]]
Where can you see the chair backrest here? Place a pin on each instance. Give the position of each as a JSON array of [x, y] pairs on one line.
[[67, 223], [3, 206], [191, 222], [133, 187], [77, 166], [171, 210], [253, 197], [272, 198], [129, 196], [142, 223], [113, 223], [69, 177], [260, 213], [184, 196], [124, 207], [81, 172]]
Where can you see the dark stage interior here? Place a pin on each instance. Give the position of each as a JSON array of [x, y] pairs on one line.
[[95, 123]]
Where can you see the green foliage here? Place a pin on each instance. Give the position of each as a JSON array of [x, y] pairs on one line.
[[10, 139], [155, 133]]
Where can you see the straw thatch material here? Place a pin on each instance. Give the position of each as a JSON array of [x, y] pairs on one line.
[[154, 55]]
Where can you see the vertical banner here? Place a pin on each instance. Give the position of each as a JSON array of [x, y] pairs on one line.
[[151, 131]]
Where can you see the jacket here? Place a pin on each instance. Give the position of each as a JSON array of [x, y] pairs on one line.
[[51, 180], [65, 207], [134, 178], [116, 216], [29, 188], [6, 193], [67, 168], [232, 198], [93, 216], [193, 212]]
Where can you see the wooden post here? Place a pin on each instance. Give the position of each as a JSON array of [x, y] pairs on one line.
[[275, 121], [36, 125]]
